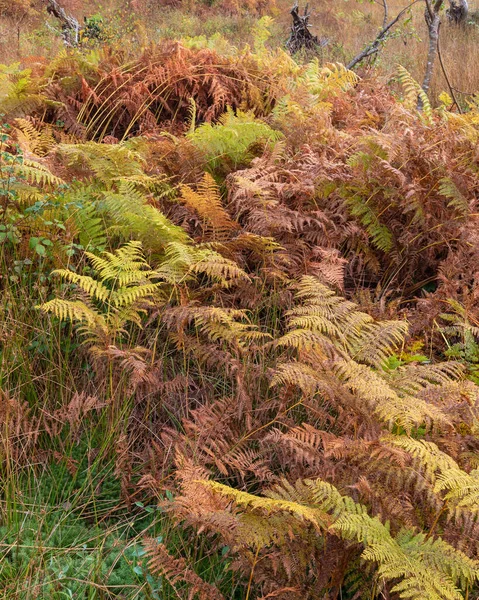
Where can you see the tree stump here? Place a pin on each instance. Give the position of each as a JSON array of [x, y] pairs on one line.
[[457, 11], [300, 36]]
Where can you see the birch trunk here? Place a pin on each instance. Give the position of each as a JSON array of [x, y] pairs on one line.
[[433, 26]]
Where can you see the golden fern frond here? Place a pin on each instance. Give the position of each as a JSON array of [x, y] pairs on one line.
[[377, 341], [462, 490], [413, 91], [310, 514], [19, 92], [109, 162], [418, 566], [297, 374], [305, 339], [218, 268], [427, 454], [37, 173], [391, 408], [68, 310], [124, 266], [218, 324], [94, 288], [127, 296], [410, 379], [34, 140], [206, 201], [337, 77], [428, 567]]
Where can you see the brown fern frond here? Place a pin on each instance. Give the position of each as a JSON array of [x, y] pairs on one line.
[[175, 571]]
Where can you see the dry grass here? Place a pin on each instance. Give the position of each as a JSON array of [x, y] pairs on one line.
[[348, 26]]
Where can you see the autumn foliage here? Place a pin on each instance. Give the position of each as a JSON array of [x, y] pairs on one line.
[[244, 289]]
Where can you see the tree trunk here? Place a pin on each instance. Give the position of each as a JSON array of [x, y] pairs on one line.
[[433, 26]]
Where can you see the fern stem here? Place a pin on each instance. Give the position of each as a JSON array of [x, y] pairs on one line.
[[250, 582], [435, 522]]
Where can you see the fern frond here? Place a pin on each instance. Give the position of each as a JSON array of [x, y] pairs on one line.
[[377, 341], [413, 91], [34, 140], [231, 139], [448, 189], [316, 517], [94, 288], [67, 310], [218, 268], [206, 201], [462, 490], [127, 296], [176, 571], [38, 173]]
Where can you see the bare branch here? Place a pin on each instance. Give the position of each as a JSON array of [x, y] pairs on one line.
[[374, 46]]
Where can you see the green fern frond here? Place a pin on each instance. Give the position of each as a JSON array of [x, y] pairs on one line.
[[448, 189], [91, 227], [130, 210], [380, 234], [232, 138]]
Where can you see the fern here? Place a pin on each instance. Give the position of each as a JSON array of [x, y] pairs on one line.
[[333, 338], [413, 92], [448, 189], [206, 202], [230, 141], [131, 212], [19, 91], [426, 567], [37, 141], [124, 282]]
